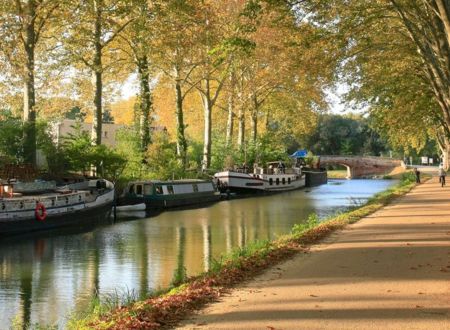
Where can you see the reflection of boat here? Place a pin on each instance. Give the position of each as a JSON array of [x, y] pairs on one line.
[[40, 206], [131, 208], [167, 194], [276, 177], [131, 215]]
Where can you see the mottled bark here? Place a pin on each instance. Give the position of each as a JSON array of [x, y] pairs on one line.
[[230, 120], [254, 117], [29, 98], [145, 102], [181, 139], [231, 104], [207, 108], [96, 134], [241, 127]]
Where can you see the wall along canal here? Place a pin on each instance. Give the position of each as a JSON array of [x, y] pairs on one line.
[[44, 278]]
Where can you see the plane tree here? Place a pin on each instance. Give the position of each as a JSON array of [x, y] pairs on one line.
[[23, 43], [90, 28]]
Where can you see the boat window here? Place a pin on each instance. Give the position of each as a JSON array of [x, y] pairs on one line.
[[159, 190], [271, 181], [195, 187], [131, 190], [278, 181], [139, 189], [170, 189], [283, 180], [148, 189], [289, 180]]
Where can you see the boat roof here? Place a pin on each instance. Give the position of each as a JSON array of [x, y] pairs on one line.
[[171, 182]]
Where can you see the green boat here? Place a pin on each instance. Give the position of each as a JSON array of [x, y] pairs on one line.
[[169, 194]]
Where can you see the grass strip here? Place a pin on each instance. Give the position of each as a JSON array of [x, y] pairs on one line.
[[170, 307]]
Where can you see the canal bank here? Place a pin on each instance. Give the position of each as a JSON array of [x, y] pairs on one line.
[[243, 263], [390, 270]]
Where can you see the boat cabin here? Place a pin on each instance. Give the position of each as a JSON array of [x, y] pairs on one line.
[[167, 188]]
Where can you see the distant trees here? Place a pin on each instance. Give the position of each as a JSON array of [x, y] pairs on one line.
[[345, 135]]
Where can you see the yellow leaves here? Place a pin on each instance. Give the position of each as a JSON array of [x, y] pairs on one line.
[[123, 111]]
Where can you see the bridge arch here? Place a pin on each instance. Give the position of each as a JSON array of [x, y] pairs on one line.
[[359, 166]]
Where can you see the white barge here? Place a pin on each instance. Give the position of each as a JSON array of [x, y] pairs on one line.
[[30, 207], [275, 178]]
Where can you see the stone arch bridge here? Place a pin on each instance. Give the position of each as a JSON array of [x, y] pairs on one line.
[[360, 166]]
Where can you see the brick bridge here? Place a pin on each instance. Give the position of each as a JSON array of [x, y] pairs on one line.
[[360, 166]]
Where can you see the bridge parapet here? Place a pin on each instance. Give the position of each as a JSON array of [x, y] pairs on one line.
[[359, 166]]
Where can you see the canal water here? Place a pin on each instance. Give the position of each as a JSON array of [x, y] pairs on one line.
[[46, 277]]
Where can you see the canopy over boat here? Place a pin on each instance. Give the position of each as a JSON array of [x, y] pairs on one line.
[[300, 153]]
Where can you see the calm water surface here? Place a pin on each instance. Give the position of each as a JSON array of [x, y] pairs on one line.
[[44, 278]]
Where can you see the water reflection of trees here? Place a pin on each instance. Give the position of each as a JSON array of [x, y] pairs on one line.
[[59, 274]]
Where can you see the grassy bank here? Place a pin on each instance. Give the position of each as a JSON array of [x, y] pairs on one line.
[[167, 308]]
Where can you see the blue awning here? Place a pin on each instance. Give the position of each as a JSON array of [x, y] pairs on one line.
[[300, 153]]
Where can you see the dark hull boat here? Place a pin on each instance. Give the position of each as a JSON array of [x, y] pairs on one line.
[[169, 194], [77, 204]]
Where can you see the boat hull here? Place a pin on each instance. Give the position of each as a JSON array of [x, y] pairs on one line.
[[160, 195], [81, 214], [245, 183], [90, 216], [156, 203]]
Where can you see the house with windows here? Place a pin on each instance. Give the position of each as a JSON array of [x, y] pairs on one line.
[[66, 127]]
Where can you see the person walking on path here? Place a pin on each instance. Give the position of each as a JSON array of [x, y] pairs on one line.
[[442, 176], [417, 173]]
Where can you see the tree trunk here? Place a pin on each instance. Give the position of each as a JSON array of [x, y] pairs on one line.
[[254, 117], [181, 139], [444, 146], [241, 128], [29, 101], [230, 120], [96, 134], [146, 102], [207, 107]]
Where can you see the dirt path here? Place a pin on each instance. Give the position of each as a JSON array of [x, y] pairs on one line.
[[391, 270]]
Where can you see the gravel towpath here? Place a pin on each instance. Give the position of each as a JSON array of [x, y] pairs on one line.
[[391, 270]]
